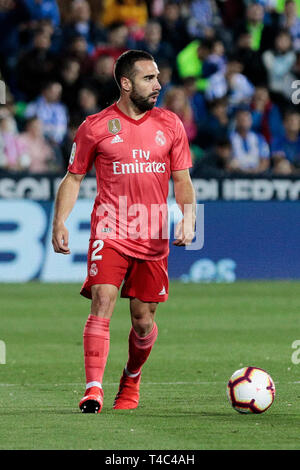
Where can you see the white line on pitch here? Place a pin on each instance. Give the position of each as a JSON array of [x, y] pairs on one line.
[[117, 383], [105, 384]]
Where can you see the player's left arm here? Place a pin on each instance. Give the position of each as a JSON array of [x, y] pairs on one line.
[[186, 200]]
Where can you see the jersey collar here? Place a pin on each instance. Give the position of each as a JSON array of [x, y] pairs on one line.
[[137, 122]]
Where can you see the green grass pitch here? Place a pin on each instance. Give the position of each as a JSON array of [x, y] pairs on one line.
[[206, 332]]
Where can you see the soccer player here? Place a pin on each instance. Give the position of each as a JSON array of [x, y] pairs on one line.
[[135, 148]]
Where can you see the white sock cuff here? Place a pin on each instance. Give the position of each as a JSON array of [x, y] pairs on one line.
[[130, 374], [93, 384]]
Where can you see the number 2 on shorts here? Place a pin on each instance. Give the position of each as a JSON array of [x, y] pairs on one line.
[[97, 245]]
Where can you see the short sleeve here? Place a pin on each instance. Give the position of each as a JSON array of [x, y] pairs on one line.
[[83, 150], [180, 152]]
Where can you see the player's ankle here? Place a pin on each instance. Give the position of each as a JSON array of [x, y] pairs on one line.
[[133, 374]]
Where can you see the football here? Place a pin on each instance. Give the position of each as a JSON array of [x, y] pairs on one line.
[[251, 390]]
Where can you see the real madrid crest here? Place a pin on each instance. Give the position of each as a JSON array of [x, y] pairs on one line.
[[114, 126], [160, 138], [93, 270]]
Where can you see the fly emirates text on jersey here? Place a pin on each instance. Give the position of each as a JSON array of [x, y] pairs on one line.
[[141, 164]]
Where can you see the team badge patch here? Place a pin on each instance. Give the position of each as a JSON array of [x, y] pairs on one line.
[[93, 270], [160, 138], [114, 126], [73, 152]]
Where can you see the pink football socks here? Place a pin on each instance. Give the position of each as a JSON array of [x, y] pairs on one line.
[[139, 349], [96, 347]]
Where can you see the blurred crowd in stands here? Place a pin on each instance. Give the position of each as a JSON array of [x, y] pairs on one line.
[[230, 69]]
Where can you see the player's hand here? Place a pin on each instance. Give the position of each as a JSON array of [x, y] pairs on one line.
[[60, 239], [184, 233]]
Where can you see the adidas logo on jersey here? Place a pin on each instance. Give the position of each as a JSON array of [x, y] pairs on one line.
[[116, 139]]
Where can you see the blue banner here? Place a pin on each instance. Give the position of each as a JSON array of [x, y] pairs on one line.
[[242, 240]]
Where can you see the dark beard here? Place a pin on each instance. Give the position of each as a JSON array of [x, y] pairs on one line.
[[141, 103]]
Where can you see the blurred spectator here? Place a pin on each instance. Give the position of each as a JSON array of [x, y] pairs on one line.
[[43, 9], [290, 21], [87, 102], [279, 63], [215, 124], [231, 12], [77, 49], [251, 152], [81, 24], [253, 23], [12, 156], [189, 61], [165, 80], [173, 26], [296, 67], [280, 4], [155, 7], [52, 113], [196, 99], [216, 161], [266, 117], [153, 43], [285, 149], [101, 79], [123, 10], [204, 18], [115, 44], [69, 78], [177, 101], [40, 157], [12, 14], [215, 60], [36, 65], [214, 56], [67, 143], [47, 27], [253, 67], [135, 32], [233, 84]]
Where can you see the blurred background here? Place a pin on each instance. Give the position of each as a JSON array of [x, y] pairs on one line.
[[230, 69]]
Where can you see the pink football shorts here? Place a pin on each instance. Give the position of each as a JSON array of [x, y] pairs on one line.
[[143, 279]]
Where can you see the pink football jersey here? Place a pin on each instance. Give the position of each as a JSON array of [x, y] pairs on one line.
[[133, 161]]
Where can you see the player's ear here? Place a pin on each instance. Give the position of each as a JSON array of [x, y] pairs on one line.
[[126, 84]]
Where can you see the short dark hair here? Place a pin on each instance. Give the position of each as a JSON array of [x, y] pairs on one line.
[[124, 66], [289, 111], [30, 120], [223, 141], [49, 83]]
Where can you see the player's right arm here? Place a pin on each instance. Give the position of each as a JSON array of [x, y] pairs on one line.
[[66, 197], [81, 161]]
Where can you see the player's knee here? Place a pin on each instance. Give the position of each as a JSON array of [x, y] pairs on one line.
[[142, 317], [142, 326], [143, 323]]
